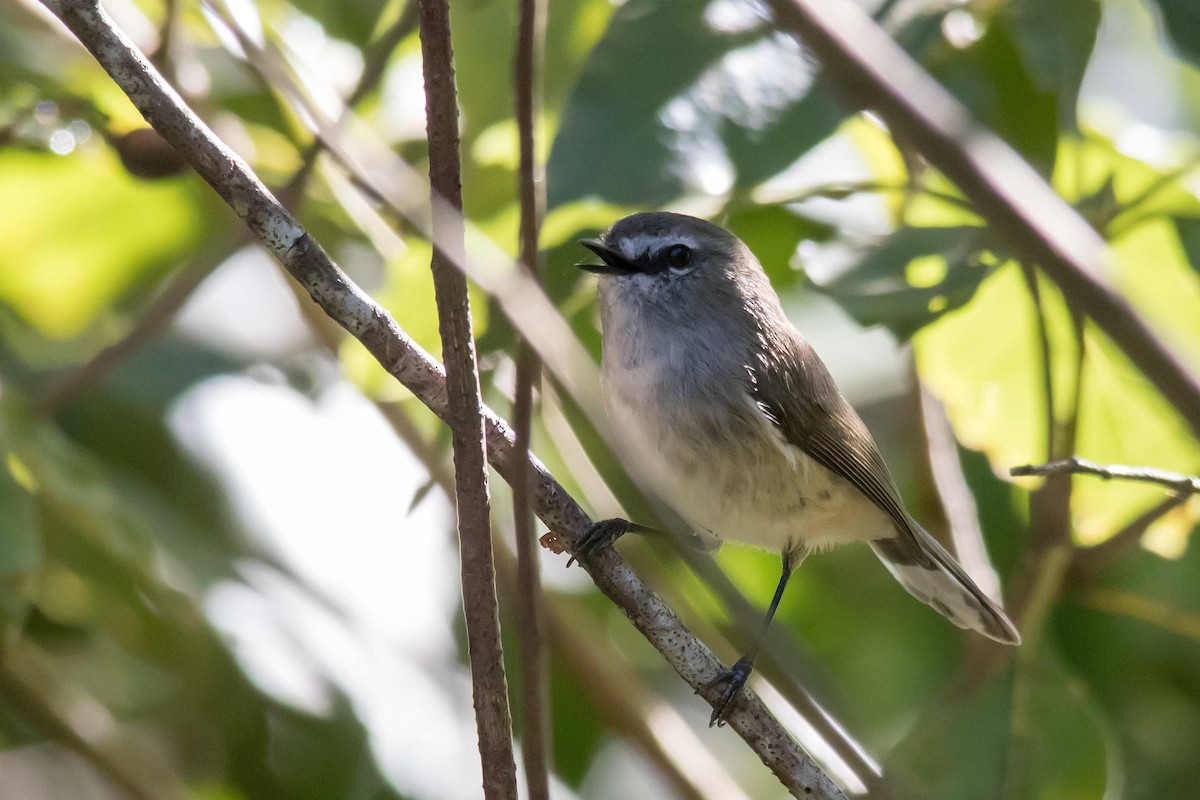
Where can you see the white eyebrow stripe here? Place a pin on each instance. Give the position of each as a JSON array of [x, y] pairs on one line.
[[637, 246]]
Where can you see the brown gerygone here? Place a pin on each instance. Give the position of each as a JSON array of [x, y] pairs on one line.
[[733, 419]]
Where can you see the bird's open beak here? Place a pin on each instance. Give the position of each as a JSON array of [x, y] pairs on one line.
[[614, 262]]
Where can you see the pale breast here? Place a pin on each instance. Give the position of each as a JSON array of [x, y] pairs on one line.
[[725, 467]]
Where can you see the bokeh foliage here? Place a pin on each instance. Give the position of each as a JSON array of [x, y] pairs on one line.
[[114, 534]]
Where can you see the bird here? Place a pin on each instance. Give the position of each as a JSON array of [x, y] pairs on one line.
[[729, 415]]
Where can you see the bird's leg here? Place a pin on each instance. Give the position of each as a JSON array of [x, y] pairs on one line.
[[603, 534], [736, 676]]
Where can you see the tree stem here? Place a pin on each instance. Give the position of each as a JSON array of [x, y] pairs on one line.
[[464, 414]]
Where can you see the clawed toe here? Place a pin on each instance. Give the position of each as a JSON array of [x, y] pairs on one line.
[[734, 679], [599, 534]]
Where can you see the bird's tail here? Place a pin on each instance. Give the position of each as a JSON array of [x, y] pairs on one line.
[[931, 575]]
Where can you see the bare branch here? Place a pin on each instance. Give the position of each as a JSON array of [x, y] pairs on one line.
[[1177, 482], [535, 698], [464, 410], [1029, 273], [368, 322], [874, 71]]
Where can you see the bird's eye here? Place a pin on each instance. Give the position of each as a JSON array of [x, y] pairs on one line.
[[678, 257]]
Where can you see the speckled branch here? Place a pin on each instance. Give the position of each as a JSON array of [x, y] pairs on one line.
[[368, 322]]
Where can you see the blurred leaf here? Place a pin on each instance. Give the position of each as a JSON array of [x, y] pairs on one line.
[[773, 233], [911, 278], [957, 750], [352, 20], [1056, 38], [713, 116], [20, 543], [123, 234], [994, 83], [1155, 274], [73, 483], [981, 362], [1181, 18], [1188, 231], [1092, 166], [1126, 636], [1051, 746]]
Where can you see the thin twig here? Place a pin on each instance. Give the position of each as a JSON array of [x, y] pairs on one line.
[[368, 322], [870, 67], [164, 56], [1049, 560], [535, 697], [464, 415], [1029, 273], [1175, 481], [1045, 589]]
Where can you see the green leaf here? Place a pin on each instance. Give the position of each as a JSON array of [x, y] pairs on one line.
[[1134, 637], [1056, 38], [20, 542], [353, 20], [80, 233], [675, 99], [1181, 18], [773, 233], [913, 277], [1041, 738], [983, 362], [1188, 230], [996, 85]]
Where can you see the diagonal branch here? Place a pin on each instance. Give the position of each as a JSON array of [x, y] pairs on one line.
[[464, 409], [872, 69], [368, 322]]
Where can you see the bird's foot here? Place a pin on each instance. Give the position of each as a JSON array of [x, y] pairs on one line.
[[734, 679], [598, 535]]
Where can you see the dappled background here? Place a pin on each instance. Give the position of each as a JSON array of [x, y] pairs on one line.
[[227, 561]]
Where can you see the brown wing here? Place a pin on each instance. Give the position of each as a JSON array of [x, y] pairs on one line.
[[794, 389]]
